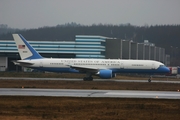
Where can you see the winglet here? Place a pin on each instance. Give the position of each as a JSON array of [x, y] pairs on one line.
[[26, 51]]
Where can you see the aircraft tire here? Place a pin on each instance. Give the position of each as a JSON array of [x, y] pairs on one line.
[[88, 78], [85, 79]]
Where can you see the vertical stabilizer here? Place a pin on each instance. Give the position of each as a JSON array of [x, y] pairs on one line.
[[26, 51]]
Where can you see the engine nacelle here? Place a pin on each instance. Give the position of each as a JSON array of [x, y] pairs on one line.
[[105, 74]]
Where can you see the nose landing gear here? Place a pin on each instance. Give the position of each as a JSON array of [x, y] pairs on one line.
[[149, 80]]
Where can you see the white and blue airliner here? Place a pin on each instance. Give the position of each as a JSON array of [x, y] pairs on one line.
[[104, 68]]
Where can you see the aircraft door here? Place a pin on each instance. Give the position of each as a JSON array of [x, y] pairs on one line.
[[153, 66], [41, 64], [122, 65]]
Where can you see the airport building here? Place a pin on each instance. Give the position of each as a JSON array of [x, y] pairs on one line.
[[84, 46]]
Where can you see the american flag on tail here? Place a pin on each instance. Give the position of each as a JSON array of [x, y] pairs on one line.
[[21, 46]]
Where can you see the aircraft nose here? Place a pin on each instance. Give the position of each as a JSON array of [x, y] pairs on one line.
[[166, 69]]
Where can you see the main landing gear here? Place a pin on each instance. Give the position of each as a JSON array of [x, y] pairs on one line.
[[88, 77], [149, 80]]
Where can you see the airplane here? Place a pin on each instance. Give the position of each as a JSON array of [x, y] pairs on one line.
[[104, 68]]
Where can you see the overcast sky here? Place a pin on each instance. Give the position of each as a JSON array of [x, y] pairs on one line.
[[39, 13]]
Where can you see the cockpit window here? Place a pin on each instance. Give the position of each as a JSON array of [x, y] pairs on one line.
[[161, 65]]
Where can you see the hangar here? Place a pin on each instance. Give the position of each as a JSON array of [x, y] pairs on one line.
[[84, 46]]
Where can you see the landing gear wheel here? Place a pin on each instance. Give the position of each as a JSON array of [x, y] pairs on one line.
[[149, 80], [88, 78], [91, 78], [84, 78]]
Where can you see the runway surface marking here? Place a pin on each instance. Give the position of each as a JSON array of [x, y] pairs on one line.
[[89, 93]]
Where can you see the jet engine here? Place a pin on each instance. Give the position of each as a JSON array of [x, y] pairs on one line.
[[106, 74]]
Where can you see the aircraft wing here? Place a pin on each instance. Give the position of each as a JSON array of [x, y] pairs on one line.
[[85, 68]]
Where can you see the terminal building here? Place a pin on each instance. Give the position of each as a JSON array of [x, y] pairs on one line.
[[84, 46]]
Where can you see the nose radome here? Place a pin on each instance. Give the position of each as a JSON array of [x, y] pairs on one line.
[[167, 69]]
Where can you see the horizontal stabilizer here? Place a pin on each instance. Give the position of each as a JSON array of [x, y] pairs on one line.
[[16, 62]]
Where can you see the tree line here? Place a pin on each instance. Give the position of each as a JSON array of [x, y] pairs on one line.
[[166, 36]]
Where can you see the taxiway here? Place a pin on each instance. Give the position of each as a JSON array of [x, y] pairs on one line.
[[76, 79]]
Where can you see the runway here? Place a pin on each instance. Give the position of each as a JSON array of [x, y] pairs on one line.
[[76, 79], [89, 93]]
